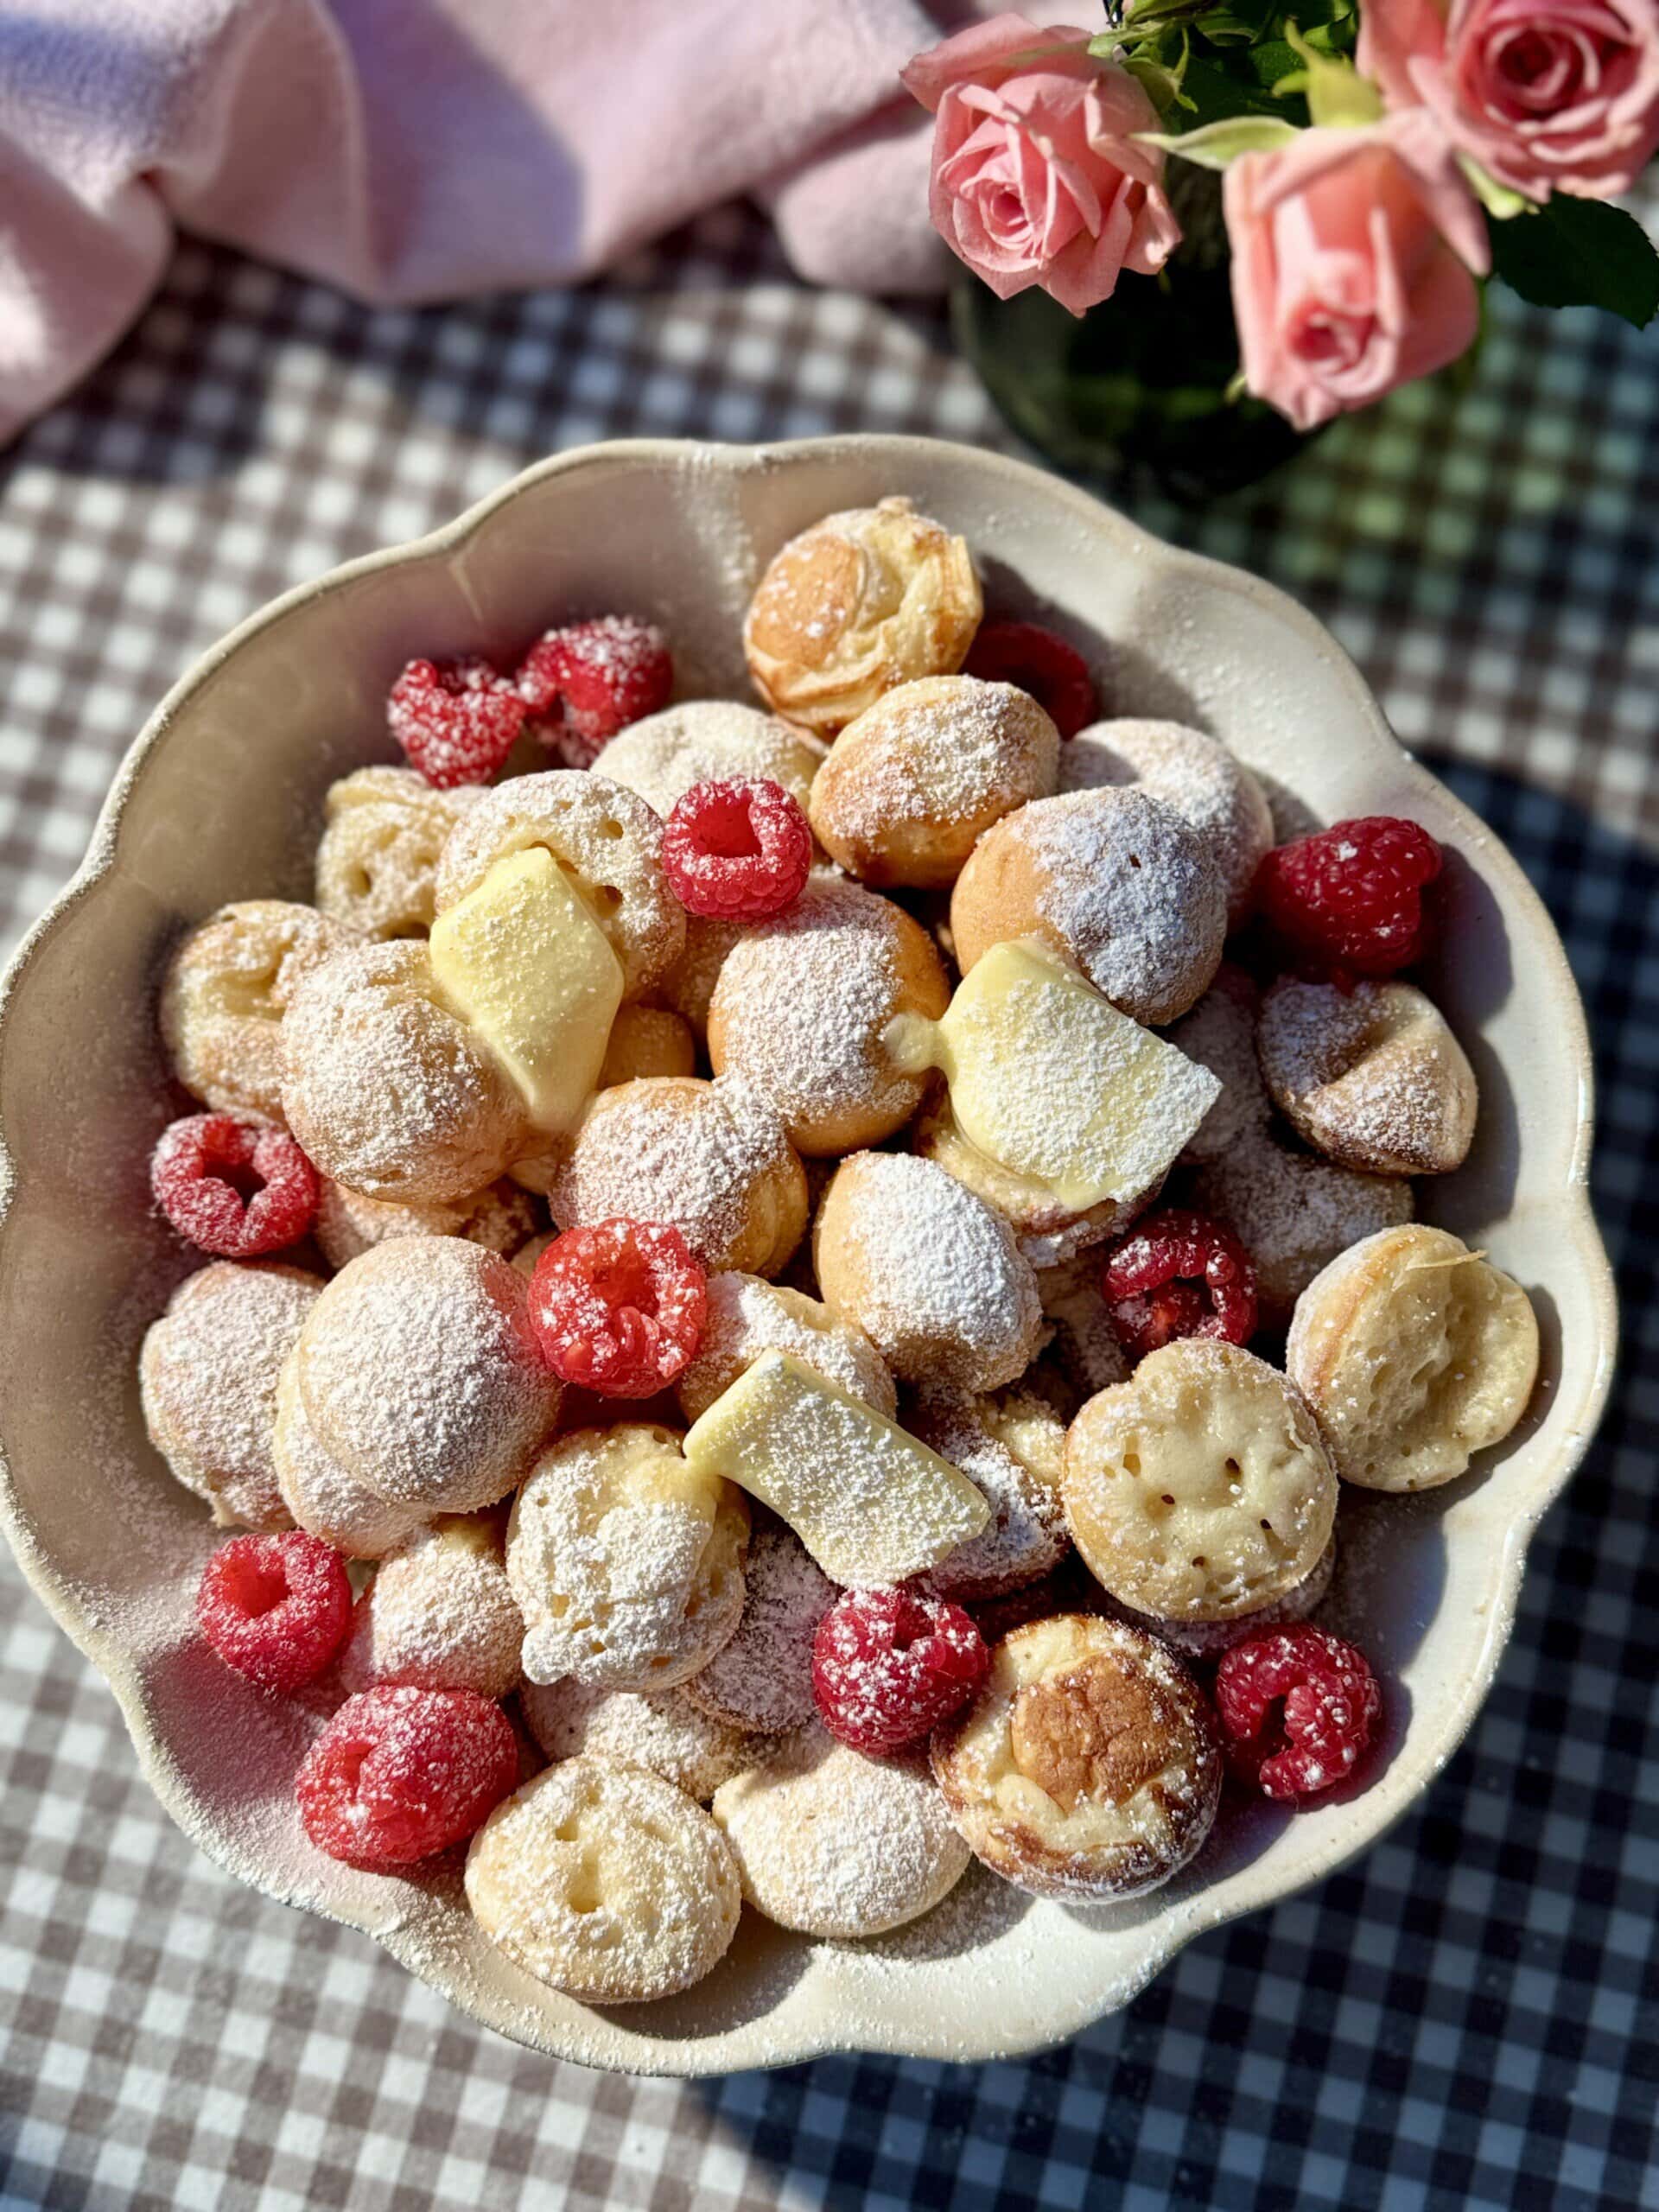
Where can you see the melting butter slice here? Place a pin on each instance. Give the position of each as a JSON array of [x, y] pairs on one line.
[[870, 1502], [532, 975], [1052, 1081]]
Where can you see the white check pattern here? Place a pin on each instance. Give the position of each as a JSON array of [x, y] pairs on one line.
[[1469, 2017]]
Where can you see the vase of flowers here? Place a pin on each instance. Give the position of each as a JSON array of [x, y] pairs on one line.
[[1144, 394], [1311, 195]]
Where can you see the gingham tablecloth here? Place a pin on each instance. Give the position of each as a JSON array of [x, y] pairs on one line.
[[1469, 2017]]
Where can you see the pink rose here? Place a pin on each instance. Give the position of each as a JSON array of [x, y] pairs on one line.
[[1549, 95], [1351, 257], [1036, 176]]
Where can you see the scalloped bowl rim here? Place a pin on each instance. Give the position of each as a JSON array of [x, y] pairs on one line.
[[722, 2051]]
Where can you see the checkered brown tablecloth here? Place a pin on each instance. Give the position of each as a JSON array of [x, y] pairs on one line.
[[1468, 2017]]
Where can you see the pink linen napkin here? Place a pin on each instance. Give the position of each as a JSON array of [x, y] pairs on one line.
[[415, 151]]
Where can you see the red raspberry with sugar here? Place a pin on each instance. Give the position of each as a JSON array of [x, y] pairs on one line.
[[618, 1307], [889, 1665], [1178, 1273], [456, 721], [1349, 900], [1054, 673], [275, 1608], [1298, 1706], [399, 1773], [737, 850], [585, 683], [233, 1186]]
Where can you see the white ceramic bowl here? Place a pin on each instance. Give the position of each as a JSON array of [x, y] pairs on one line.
[[220, 799]]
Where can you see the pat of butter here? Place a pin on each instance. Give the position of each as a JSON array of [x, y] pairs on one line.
[[530, 972], [870, 1502], [1052, 1081]]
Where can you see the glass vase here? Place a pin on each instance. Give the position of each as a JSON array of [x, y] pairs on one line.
[[1136, 392]]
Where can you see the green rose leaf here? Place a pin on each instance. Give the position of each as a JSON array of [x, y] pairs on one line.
[[1339, 98], [1573, 253], [1217, 144], [1161, 82], [1214, 94], [1238, 19], [1272, 59]]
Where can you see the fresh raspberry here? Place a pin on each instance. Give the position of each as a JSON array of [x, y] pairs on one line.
[[588, 681], [887, 1665], [618, 1307], [457, 720], [275, 1608], [1350, 898], [737, 851], [1056, 674], [233, 1186], [1297, 1708], [399, 1773], [1178, 1274]]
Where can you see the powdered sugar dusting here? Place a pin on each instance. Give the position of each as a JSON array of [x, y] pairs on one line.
[[384, 1088], [944, 751], [1371, 1076], [320, 1495], [689, 983], [661, 1731], [1011, 1447], [246, 1816], [746, 1316], [1085, 1344], [207, 1374], [501, 1218], [604, 1880], [1098, 1106], [834, 1844], [377, 861], [1207, 1640], [627, 1563], [1294, 1213], [1133, 892], [1194, 774], [931, 1274], [439, 1614], [224, 993], [419, 1375], [762, 1678], [703, 740], [801, 1004], [1219, 1033], [702, 1157]]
